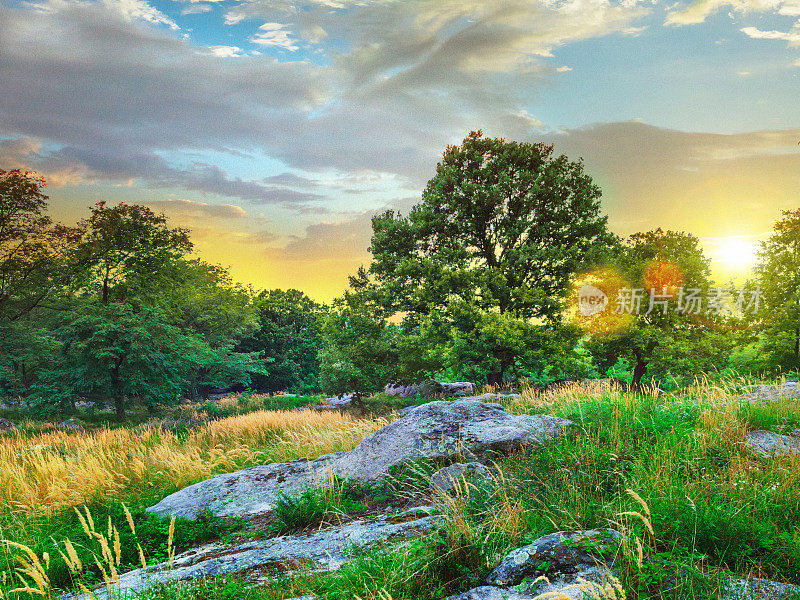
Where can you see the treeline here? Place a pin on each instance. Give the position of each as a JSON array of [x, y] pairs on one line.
[[486, 279]]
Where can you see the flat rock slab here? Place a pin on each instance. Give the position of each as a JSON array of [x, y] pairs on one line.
[[564, 552], [325, 550], [769, 444], [761, 589], [488, 592], [769, 392], [461, 430]]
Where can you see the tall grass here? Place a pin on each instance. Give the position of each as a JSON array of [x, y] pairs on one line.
[[47, 473]]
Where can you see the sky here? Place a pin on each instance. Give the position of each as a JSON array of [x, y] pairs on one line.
[[275, 129]]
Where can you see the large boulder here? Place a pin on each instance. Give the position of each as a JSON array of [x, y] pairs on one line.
[[769, 444], [458, 430]]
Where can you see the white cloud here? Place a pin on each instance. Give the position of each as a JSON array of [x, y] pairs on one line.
[[225, 51], [564, 69], [140, 9], [275, 34], [699, 10], [190, 208], [792, 36]]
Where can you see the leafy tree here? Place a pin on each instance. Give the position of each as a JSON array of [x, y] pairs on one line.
[[119, 352], [290, 333], [201, 299], [778, 275], [33, 250], [358, 354], [660, 331], [501, 228], [127, 247]]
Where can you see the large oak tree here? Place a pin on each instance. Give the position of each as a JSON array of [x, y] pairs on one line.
[[501, 228]]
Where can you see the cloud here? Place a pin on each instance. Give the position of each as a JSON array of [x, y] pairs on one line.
[[140, 9], [225, 51], [275, 34], [699, 10], [705, 183], [190, 208], [792, 36], [90, 81]]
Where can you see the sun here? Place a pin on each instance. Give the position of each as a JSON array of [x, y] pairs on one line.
[[737, 252]]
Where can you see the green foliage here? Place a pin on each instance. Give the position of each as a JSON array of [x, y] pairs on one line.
[[490, 250], [118, 352], [358, 355], [152, 533], [313, 505], [33, 250], [669, 348], [290, 332], [127, 249], [778, 276]]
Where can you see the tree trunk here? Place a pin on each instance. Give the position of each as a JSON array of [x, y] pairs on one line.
[[640, 369], [105, 287], [119, 408], [360, 402]]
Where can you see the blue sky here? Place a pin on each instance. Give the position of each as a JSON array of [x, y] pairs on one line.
[[275, 129]]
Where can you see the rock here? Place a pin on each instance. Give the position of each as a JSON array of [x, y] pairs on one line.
[[324, 550], [337, 401], [442, 430], [398, 390], [6, 425], [795, 433], [429, 389], [770, 392], [563, 552], [493, 396], [768, 444], [459, 388], [445, 480], [488, 592], [760, 589], [71, 425]]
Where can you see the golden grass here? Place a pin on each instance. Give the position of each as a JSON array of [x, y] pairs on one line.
[[49, 472]]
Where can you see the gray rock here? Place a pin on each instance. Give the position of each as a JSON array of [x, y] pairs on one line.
[[430, 388], [563, 552], [795, 433], [770, 392], [6, 425], [71, 425], [459, 388], [493, 396], [488, 592], [445, 480], [442, 430], [324, 550], [768, 444], [760, 589], [337, 401]]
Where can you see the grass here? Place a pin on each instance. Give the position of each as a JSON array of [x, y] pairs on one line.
[[669, 471]]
